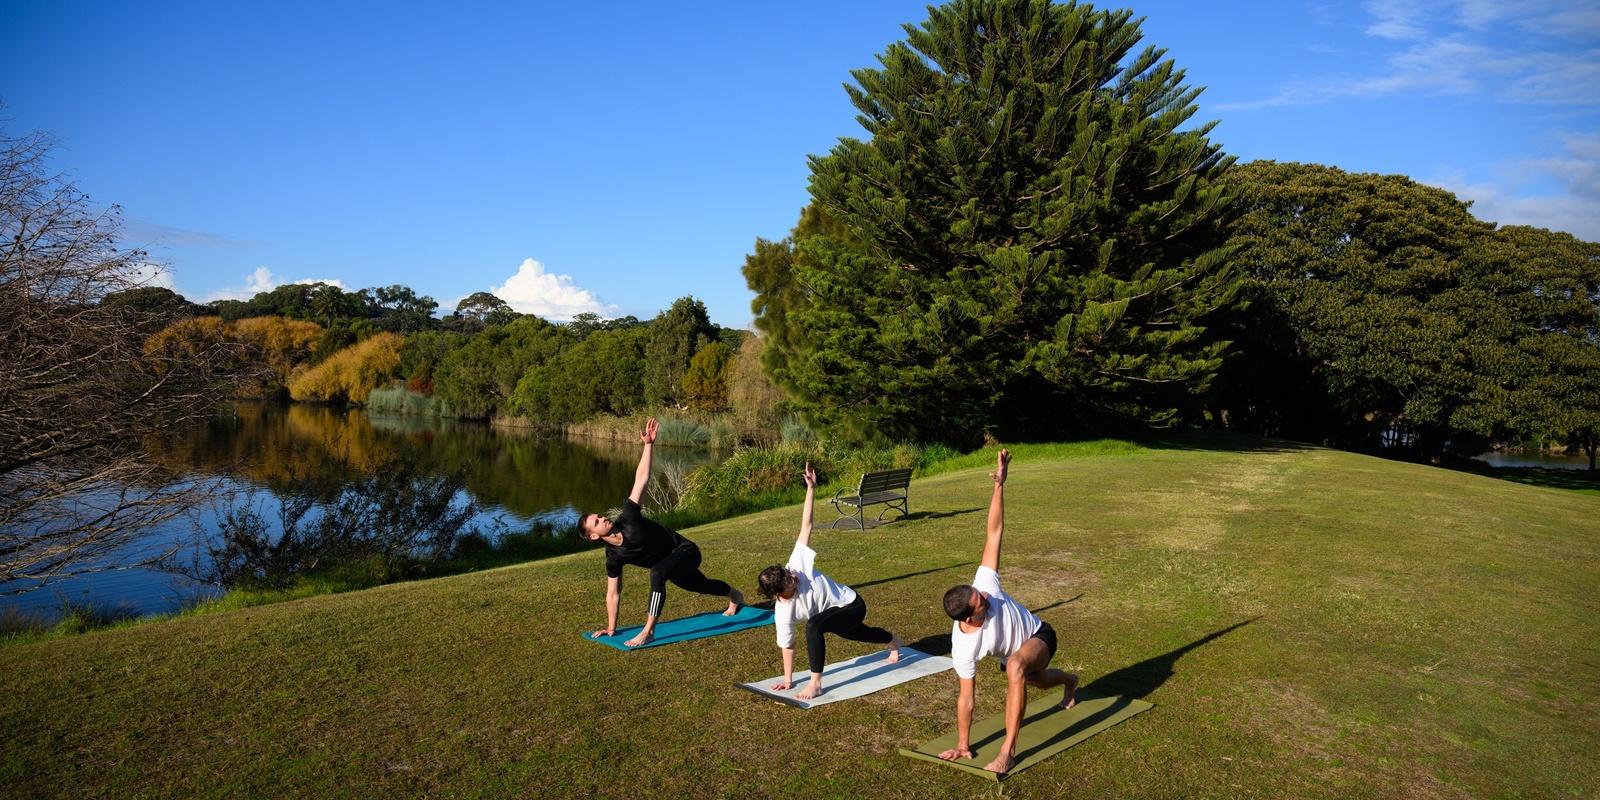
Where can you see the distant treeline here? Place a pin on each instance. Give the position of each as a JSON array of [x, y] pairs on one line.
[[319, 343]]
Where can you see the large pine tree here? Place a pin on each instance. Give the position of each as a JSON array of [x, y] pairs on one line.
[[1026, 244]]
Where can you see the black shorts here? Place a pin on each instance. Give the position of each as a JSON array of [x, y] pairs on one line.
[[1045, 634]]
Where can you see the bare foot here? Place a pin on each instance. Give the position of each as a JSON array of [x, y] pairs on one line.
[[1002, 764], [641, 639], [1069, 698], [735, 599], [812, 690], [894, 648]]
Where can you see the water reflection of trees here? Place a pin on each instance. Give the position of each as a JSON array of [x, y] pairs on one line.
[[320, 449]]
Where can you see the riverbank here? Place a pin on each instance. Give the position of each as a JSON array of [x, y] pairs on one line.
[[1307, 622]]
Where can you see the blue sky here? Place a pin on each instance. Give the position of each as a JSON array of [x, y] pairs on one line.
[[614, 156]]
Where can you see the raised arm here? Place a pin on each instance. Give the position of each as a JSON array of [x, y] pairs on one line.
[[641, 476], [997, 512], [811, 496]]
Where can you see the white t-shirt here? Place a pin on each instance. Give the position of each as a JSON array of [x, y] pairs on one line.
[[815, 594], [1007, 626]]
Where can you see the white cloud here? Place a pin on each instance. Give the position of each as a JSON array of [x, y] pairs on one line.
[[329, 281], [1510, 51], [1516, 199], [151, 234], [534, 291], [263, 280], [1396, 20]]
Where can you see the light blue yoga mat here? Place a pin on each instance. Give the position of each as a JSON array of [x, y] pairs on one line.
[[854, 678], [699, 626]]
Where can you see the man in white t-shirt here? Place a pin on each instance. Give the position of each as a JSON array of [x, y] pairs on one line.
[[988, 622], [801, 593]]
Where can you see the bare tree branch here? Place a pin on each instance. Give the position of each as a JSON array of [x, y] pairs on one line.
[[79, 393]]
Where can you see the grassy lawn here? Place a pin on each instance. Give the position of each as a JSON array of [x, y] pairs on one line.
[[1309, 623]]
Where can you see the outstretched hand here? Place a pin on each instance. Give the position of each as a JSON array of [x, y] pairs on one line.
[[811, 476], [648, 435], [1002, 463]]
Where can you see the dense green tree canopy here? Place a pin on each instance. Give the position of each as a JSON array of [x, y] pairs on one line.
[[400, 309], [705, 382], [476, 379], [1380, 307], [1028, 242], [675, 336], [603, 374]]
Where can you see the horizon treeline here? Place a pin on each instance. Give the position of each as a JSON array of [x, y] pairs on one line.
[[319, 343]]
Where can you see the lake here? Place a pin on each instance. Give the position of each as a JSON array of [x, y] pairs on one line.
[[265, 450], [1540, 460]]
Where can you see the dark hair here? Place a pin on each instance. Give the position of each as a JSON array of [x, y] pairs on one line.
[[958, 602], [773, 581]]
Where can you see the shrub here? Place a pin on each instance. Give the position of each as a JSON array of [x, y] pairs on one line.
[[351, 374], [395, 400], [682, 432]]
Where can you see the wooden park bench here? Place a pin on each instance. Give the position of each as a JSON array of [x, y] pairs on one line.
[[887, 488]]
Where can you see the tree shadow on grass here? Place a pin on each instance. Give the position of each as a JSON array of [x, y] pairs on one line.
[[908, 575], [938, 514], [1139, 680], [1578, 480], [1225, 442]]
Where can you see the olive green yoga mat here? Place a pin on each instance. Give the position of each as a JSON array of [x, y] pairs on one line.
[[1047, 729]]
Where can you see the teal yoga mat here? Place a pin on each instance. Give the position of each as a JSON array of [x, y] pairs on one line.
[[699, 626], [1047, 729]]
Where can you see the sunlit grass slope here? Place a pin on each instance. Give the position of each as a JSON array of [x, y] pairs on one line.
[[1309, 623]]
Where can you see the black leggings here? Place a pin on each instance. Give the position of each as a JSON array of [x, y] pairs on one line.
[[682, 567], [846, 622]]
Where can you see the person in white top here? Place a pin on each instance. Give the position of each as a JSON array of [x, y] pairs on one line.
[[801, 593], [988, 622]]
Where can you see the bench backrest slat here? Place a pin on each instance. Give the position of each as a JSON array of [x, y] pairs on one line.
[[886, 480]]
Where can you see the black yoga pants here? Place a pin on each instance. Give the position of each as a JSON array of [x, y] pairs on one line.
[[846, 622], [682, 567]]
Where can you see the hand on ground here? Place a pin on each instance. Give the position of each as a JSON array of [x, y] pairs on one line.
[[955, 753], [783, 685], [605, 632]]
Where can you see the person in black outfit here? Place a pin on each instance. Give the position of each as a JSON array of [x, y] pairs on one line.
[[632, 539]]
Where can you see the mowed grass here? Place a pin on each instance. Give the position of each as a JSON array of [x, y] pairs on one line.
[[1308, 623]]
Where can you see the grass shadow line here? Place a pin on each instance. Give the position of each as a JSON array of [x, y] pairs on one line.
[[939, 514], [1042, 609]]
